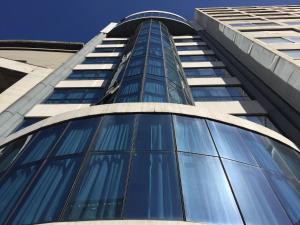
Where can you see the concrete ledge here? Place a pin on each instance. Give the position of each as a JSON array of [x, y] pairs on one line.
[[115, 39], [16, 66], [111, 46], [197, 111], [190, 43], [80, 83], [202, 64], [196, 52], [213, 81], [46, 110], [94, 67], [186, 37], [104, 54]]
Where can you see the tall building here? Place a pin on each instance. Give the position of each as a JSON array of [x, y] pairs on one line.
[[160, 120]]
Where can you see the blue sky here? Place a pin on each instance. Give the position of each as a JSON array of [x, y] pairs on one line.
[[80, 20]]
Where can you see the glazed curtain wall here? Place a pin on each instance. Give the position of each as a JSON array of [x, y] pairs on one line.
[[153, 72], [149, 166]]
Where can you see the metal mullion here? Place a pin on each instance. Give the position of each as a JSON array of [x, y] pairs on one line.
[[145, 64]]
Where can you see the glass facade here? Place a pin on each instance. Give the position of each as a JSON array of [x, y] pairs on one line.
[[89, 75], [153, 72], [205, 72], [149, 166]]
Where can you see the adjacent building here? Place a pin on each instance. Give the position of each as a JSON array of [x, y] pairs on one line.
[[157, 120]]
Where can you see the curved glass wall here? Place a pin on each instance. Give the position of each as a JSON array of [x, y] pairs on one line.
[[149, 166], [153, 72], [151, 14]]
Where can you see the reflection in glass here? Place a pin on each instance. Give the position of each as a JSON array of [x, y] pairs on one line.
[[207, 195], [288, 192], [255, 197], [77, 136], [154, 133], [11, 188], [45, 199], [42, 143], [153, 189], [192, 135], [232, 142], [115, 133], [101, 191]]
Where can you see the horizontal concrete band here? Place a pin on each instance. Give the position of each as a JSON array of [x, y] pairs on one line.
[[196, 52], [81, 83], [186, 37], [103, 54], [190, 43], [152, 108], [127, 222]]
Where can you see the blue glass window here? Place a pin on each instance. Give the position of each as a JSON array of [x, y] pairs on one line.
[[11, 188], [293, 53], [176, 40], [218, 93], [153, 189], [45, 200], [100, 60], [288, 192], [74, 95], [154, 91], [205, 72], [192, 135], [232, 142], [41, 144], [155, 66], [77, 136], [11, 151], [255, 197], [100, 194], [115, 133], [113, 42], [129, 92], [89, 74], [27, 121], [206, 192], [197, 58], [154, 133], [262, 120]]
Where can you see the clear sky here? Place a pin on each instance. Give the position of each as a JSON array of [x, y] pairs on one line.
[[80, 20]]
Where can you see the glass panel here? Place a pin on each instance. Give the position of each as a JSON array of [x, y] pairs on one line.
[[115, 133], [101, 191], [153, 189], [218, 93], [10, 152], [89, 74], [154, 91], [205, 72], [232, 142], [206, 192], [154, 132], [274, 40], [293, 53], [295, 39], [47, 196], [77, 136], [192, 135], [11, 188], [42, 144], [255, 197], [100, 60], [197, 58], [262, 120], [27, 122], [195, 47]]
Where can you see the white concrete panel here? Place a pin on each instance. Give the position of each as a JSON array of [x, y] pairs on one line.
[[111, 46], [94, 67], [116, 39], [104, 54], [186, 37], [213, 81], [46, 110], [80, 83], [109, 27], [190, 43], [196, 52], [16, 66], [202, 64]]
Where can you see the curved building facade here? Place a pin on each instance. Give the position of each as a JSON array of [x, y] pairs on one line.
[[123, 138]]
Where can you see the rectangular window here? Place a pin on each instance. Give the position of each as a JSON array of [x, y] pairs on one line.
[[74, 95], [113, 42], [206, 192], [153, 188], [219, 94], [100, 60], [129, 91], [198, 58], [27, 121], [205, 72], [194, 47], [187, 40], [293, 53], [262, 120], [259, 205], [293, 23], [89, 74], [274, 40], [154, 91], [253, 24], [100, 193]]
